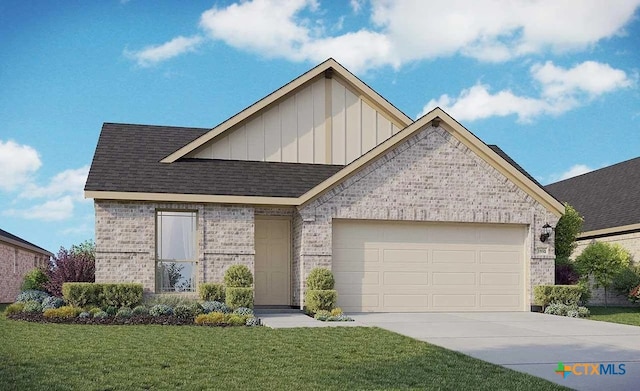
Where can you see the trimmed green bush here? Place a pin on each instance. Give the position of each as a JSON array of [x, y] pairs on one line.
[[141, 310], [100, 315], [160, 310], [183, 312], [243, 311], [572, 311], [320, 279], [82, 294], [316, 300], [52, 302], [215, 306], [124, 312], [14, 308], [239, 297], [211, 319], [238, 276], [236, 320], [66, 312], [34, 280], [121, 295], [211, 292], [564, 294]]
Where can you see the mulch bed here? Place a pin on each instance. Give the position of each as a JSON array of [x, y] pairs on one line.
[[134, 320]]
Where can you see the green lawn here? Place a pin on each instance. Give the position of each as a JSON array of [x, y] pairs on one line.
[[624, 315], [69, 357]]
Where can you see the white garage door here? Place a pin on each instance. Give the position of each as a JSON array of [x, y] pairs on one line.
[[403, 267]]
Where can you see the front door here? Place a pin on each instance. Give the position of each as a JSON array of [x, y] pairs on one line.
[[272, 262]]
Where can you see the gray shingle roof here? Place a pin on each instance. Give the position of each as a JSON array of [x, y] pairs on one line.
[[127, 159], [515, 165], [606, 198], [16, 239]]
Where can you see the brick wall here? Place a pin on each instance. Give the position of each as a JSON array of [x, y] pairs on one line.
[[15, 262], [125, 240], [429, 177]]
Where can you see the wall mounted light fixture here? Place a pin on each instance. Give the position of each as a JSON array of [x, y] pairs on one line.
[[546, 232]]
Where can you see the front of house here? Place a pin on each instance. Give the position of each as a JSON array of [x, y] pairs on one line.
[[409, 216]]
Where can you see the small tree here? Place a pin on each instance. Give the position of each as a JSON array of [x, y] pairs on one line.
[[75, 265], [602, 261], [567, 230]]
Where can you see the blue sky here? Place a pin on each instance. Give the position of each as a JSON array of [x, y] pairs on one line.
[[554, 83]]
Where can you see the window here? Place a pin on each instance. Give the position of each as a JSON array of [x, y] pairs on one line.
[[175, 251]]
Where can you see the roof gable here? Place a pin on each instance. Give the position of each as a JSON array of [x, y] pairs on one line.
[[607, 198], [325, 116]]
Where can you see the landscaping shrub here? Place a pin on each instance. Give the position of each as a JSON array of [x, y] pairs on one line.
[[171, 300], [141, 310], [52, 302], [634, 295], [252, 321], [564, 294], [336, 311], [95, 310], [183, 312], [627, 279], [32, 295], [572, 310], [160, 310], [74, 265], [239, 297], [243, 311], [566, 274], [196, 309], [111, 310], [238, 276], [66, 312], [236, 320], [84, 315], [14, 308], [100, 315], [320, 279], [34, 280], [121, 295], [322, 315], [211, 292], [215, 306], [81, 294], [32, 307], [316, 300], [124, 312], [211, 319], [602, 262]]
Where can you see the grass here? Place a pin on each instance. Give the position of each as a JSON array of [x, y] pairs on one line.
[[624, 315], [69, 357]]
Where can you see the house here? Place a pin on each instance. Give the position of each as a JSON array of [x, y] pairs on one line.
[[608, 200], [324, 172], [17, 257]]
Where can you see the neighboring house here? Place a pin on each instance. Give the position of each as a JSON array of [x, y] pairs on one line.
[[324, 172], [608, 200], [17, 257]]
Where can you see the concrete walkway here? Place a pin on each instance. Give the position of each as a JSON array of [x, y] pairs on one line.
[[297, 319], [528, 342]]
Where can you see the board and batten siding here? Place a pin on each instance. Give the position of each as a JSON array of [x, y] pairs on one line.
[[323, 123]]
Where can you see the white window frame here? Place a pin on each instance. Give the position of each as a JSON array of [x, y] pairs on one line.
[[160, 260]]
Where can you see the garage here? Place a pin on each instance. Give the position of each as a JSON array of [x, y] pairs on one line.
[[388, 266]]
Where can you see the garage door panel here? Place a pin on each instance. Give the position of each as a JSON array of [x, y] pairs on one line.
[[500, 279], [454, 278], [500, 257], [454, 256], [444, 267], [357, 278], [453, 301], [407, 301], [405, 255], [497, 302], [406, 278]]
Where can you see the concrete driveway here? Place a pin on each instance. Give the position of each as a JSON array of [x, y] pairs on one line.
[[528, 342]]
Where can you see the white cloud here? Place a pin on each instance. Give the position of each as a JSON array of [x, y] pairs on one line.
[[562, 90], [52, 210], [66, 182], [575, 170], [18, 163], [155, 54], [402, 31], [590, 77]]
